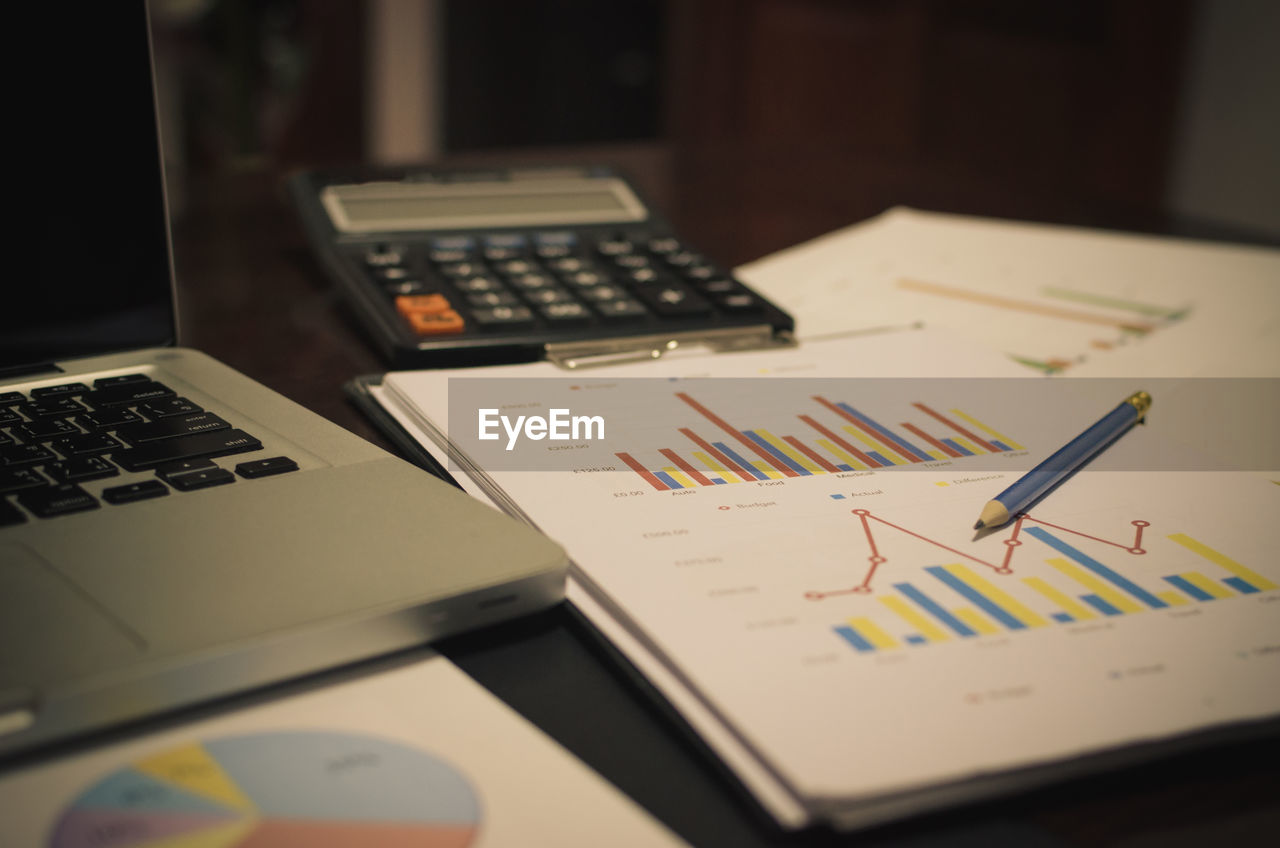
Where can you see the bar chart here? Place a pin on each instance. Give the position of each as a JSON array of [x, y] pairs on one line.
[[834, 436], [963, 596]]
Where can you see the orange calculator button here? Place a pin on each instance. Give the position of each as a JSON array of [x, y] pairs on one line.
[[422, 304], [436, 323]]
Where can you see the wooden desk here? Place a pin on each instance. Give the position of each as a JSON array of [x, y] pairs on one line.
[[251, 296]]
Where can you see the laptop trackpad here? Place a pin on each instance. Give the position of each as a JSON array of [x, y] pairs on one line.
[[51, 630]]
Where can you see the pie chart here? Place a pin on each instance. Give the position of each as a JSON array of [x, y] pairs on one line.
[[309, 788]]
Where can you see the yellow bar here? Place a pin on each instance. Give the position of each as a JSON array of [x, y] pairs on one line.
[[765, 468], [971, 617], [1078, 611], [984, 428], [927, 628], [1011, 605], [1260, 582], [1198, 580], [679, 477], [875, 446], [968, 445], [716, 467], [791, 453], [935, 455], [1173, 599], [872, 633], [1102, 589], [841, 455]]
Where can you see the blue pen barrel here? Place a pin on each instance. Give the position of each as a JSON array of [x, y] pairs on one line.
[[1069, 457]]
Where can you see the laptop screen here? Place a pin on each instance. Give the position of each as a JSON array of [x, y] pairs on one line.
[[85, 160]]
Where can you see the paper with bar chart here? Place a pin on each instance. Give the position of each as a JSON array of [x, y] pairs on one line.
[[803, 561]]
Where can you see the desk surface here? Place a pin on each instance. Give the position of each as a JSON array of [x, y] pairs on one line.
[[251, 296]]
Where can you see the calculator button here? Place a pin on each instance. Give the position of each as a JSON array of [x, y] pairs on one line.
[[675, 300], [533, 282], [453, 243], [664, 244], [632, 260], [478, 283], [718, 285], [422, 304], [410, 286], [585, 279], [492, 299], [683, 258], [601, 293], [384, 256], [615, 247], [549, 295], [700, 272], [463, 269], [444, 323], [564, 312], [740, 302], [442, 256], [502, 317], [571, 265], [515, 266], [554, 245], [621, 309], [644, 276], [391, 275]]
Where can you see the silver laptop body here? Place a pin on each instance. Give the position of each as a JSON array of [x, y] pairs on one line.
[[136, 578]]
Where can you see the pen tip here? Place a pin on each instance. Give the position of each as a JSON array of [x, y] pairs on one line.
[[979, 525]]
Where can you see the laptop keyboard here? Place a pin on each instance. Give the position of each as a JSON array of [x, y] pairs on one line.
[[54, 438]]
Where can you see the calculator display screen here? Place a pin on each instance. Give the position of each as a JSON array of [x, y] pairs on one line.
[[379, 207]]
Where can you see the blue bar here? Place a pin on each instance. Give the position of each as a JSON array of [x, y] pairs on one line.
[[1191, 589], [878, 458], [851, 636], [930, 606], [782, 457], [746, 466], [916, 639], [845, 467], [994, 610], [1100, 605], [1063, 617], [956, 446], [1241, 585], [668, 479], [900, 442], [1098, 568], [837, 497], [717, 481], [1000, 445]]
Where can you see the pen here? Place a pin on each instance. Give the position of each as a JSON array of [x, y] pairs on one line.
[[1066, 460]]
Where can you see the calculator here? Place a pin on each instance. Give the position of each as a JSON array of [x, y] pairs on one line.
[[445, 268]]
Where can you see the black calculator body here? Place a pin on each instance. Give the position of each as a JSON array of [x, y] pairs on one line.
[[446, 268]]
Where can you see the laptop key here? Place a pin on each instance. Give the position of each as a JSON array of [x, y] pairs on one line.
[[85, 444], [80, 468], [65, 389], [167, 407], [45, 430], [106, 382], [126, 394], [168, 428], [108, 419], [135, 492], [266, 467], [13, 456], [52, 501], [201, 479], [151, 454], [184, 466], [13, 479]]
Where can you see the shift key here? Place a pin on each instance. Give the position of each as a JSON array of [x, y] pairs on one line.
[[220, 443]]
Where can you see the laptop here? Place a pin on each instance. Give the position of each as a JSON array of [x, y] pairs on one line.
[[170, 530]]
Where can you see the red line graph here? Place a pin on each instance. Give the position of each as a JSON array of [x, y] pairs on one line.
[[1004, 566]]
